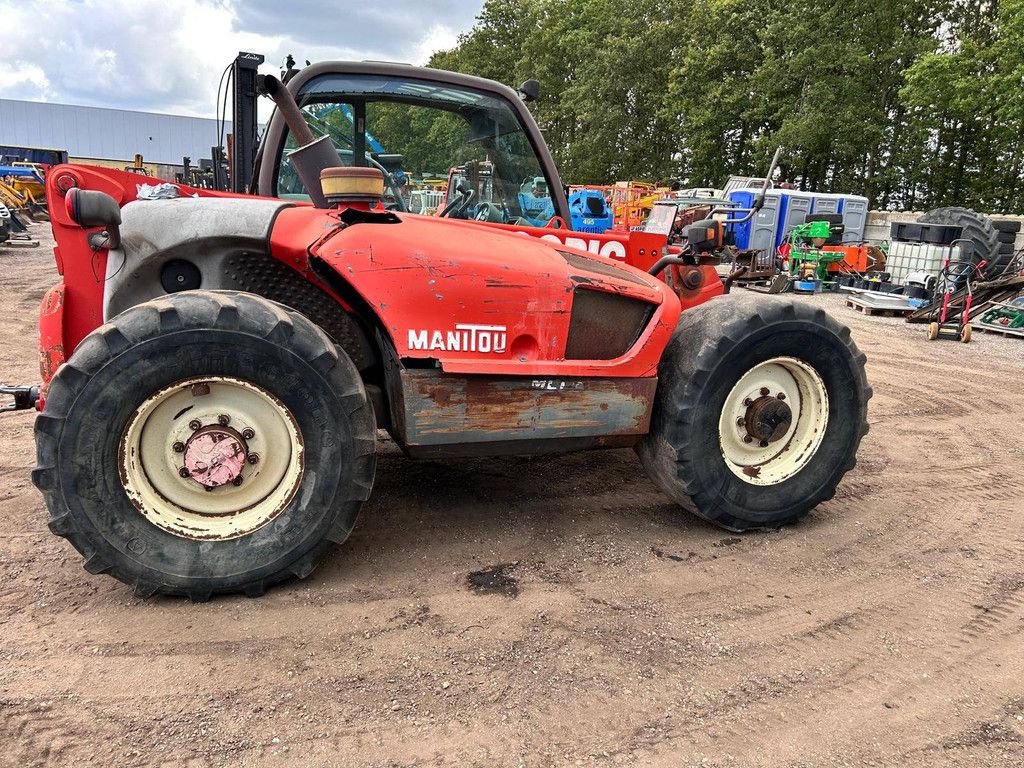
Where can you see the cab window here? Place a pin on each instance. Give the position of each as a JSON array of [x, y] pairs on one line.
[[443, 150]]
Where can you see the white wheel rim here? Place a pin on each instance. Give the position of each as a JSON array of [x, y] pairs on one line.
[[760, 399], [252, 465]]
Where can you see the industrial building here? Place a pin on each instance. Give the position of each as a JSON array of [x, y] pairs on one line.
[[110, 137]]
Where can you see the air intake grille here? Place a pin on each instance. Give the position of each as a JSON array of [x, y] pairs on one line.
[[603, 326]]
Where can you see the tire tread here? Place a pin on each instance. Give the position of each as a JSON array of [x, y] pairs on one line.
[[687, 364], [245, 313]]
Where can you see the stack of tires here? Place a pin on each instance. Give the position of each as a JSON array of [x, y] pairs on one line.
[[990, 240], [1007, 230]]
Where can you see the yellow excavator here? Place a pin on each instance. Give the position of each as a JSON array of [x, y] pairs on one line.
[[22, 189]]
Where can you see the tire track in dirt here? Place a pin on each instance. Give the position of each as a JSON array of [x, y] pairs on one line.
[[875, 682], [761, 733], [36, 735]]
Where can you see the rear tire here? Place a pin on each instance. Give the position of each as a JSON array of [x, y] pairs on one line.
[[726, 363], [965, 334], [933, 331], [119, 424]]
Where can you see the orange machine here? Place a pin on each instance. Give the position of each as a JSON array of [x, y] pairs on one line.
[[856, 258], [631, 203]]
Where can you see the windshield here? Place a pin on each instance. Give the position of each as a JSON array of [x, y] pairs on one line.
[[443, 150]]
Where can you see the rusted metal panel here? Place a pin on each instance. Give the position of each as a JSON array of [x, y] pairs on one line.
[[443, 409], [51, 333]]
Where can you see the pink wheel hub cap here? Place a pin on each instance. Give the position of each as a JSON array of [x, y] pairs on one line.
[[215, 456]]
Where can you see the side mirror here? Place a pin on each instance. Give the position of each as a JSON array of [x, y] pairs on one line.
[[530, 90], [704, 236], [90, 208]]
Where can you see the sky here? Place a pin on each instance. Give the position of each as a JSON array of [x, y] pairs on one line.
[[168, 55]]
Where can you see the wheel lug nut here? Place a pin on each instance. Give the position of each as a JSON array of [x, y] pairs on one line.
[[763, 443], [781, 396], [237, 481], [740, 421], [208, 488], [223, 420], [254, 458], [765, 391], [248, 434], [748, 402], [184, 472], [195, 424], [748, 439], [179, 447]]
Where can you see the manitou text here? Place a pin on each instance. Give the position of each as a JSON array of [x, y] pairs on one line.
[[465, 338]]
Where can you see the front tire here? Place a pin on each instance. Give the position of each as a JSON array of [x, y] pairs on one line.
[[205, 442], [760, 408]]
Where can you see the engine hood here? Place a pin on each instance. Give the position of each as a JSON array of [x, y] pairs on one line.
[[479, 299]]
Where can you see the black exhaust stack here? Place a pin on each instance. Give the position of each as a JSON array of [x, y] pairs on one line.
[[313, 154]]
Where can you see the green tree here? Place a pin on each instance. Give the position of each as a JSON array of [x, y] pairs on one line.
[[914, 104]]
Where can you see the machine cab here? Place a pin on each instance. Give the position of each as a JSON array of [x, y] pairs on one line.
[[419, 127]]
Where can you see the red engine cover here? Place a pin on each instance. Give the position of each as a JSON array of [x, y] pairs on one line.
[[475, 298]]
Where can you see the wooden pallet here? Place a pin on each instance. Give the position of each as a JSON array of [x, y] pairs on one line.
[[17, 242], [1017, 333], [879, 311]]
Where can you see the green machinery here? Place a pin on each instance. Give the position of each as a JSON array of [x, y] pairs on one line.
[[808, 263], [1007, 316]]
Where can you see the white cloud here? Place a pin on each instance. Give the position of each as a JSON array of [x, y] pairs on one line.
[[437, 38], [167, 55], [18, 76]]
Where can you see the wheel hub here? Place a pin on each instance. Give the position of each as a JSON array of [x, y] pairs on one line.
[[215, 455], [211, 458], [768, 419], [773, 421]]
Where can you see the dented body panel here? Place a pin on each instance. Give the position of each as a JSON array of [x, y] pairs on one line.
[[420, 277], [51, 334], [441, 414], [474, 298]]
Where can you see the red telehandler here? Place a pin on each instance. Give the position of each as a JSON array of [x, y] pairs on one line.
[[215, 366]]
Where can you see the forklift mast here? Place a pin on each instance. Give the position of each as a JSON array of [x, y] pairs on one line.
[[244, 141]]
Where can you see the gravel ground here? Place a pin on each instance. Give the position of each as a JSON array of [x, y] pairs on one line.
[[607, 628]]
